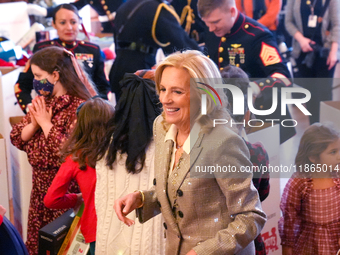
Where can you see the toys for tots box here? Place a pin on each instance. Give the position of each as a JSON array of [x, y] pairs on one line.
[[330, 113], [4, 197], [269, 138], [52, 235]]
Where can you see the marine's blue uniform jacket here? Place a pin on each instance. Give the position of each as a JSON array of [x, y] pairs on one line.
[[86, 53]]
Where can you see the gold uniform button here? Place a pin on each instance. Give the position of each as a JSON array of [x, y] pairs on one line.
[[82, 42], [246, 26], [261, 84], [20, 100], [18, 95], [220, 60], [108, 12], [223, 39], [52, 43], [220, 49], [63, 44], [91, 2], [101, 29], [268, 81], [261, 106], [208, 56], [102, 2], [237, 65], [105, 7], [23, 106], [221, 68]]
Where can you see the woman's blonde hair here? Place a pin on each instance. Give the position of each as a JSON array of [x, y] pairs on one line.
[[202, 70], [314, 141]]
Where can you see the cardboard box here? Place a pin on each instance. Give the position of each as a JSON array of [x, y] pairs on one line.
[[8, 76], [6, 69], [52, 235], [269, 137], [79, 246], [4, 189], [19, 170], [330, 112]]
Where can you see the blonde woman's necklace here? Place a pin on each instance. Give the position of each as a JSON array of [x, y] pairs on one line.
[[178, 146]]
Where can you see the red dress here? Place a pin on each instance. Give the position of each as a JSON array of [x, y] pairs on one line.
[[311, 217], [43, 155], [56, 196]]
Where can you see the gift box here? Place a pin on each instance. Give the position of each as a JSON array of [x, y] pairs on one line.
[[52, 235]]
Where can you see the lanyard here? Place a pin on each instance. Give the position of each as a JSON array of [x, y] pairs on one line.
[[311, 6]]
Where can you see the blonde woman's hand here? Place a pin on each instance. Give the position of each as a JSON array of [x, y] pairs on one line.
[[123, 206]]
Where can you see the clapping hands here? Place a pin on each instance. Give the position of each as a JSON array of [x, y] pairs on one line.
[[40, 114], [41, 117]]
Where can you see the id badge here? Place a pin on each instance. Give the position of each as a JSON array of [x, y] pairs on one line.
[[312, 20]]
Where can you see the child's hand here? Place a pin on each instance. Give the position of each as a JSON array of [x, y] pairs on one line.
[[40, 112], [33, 120], [2, 210], [79, 202], [287, 250]]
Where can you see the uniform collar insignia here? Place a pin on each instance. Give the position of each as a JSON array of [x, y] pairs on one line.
[[67, 44]]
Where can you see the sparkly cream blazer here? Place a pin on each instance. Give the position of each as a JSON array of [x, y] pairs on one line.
[[214, 214]]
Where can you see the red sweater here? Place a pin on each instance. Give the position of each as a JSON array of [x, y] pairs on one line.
[[56, 197]]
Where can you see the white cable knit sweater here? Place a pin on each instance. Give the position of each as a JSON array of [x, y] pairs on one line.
[[113, 236]]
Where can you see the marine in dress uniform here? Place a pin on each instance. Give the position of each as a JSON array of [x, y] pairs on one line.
[[252, 47], [105, 8], [142, 27], [88, 54]]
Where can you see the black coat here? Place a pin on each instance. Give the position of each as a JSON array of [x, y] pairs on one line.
[[135, 46]]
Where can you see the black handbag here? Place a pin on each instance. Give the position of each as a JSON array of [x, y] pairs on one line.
[[323, 52]]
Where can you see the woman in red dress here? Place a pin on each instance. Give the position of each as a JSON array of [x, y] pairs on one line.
[[61, 88]]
